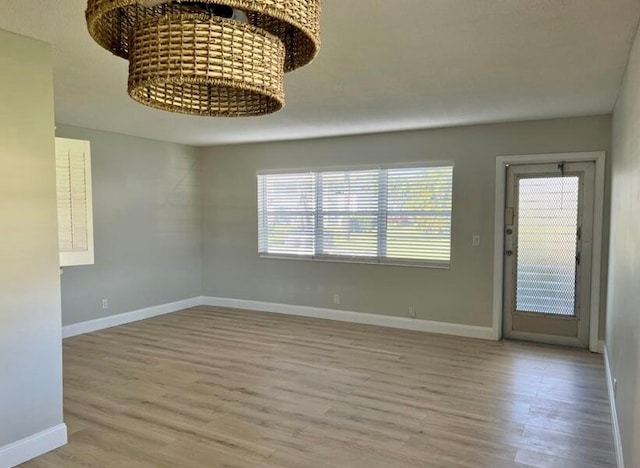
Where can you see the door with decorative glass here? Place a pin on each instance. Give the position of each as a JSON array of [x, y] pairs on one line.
[[548, 246]]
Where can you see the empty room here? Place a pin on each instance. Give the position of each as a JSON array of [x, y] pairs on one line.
[[319, 233]]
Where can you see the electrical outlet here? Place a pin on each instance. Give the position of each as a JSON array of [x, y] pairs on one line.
[[412, 312], [105, 303], [476, 240], [336, 299]]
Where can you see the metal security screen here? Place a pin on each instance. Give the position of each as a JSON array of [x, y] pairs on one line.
[[547, 245]]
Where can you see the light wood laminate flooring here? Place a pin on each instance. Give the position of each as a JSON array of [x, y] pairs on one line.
[[216, 387]]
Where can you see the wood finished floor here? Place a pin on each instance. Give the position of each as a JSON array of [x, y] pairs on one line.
[[215, 387]]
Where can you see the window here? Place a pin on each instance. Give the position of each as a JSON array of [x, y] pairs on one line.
[[75, 213], [384, 215]]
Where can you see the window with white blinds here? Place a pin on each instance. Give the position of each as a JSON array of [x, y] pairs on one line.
[[386, 215], [75, 214]]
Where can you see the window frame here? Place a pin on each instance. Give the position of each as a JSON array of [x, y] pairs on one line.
[[369, 260], [87, 256]]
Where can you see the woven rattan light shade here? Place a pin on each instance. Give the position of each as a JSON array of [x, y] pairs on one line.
[[206, 66], [185, 58]]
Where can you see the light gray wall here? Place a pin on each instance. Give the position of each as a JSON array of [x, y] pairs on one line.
[[30, 336], [462, 294], [147, 227], [623, 316]]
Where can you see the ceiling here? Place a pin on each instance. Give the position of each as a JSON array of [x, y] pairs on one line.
[[383, 66]]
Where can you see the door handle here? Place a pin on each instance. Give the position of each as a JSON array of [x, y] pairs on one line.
[[509, 253]]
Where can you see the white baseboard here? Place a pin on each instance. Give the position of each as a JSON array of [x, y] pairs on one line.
[[600, 347], [444, 328], [33, 446], [614, 413], [404, 323], [128, 317]]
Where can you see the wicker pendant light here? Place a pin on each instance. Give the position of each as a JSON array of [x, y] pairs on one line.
[[212, 58]]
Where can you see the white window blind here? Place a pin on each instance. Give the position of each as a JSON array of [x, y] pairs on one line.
[[287, 212], [419, 213], [384, 215], [75, 214], [348, 213]]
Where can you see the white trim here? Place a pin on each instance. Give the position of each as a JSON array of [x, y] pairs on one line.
[[455, 329], [617, 441], [596, 261], [601, 347], [599, 157], [357, 167], [434, 264], [85, 257], [33, 446], [128, 317], [485, 333]]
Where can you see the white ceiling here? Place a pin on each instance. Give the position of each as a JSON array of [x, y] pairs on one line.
[[384, 65]]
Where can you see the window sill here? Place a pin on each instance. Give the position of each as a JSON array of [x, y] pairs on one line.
[[365, 261]]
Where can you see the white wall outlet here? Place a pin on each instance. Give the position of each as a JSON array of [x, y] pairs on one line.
[[412, 312], [476, 240], [336, 299], [105, 303]]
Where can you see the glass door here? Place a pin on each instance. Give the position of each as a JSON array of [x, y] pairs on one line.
[[548, 233]]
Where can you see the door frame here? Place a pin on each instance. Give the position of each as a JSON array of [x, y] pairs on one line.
[[599, 158]]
